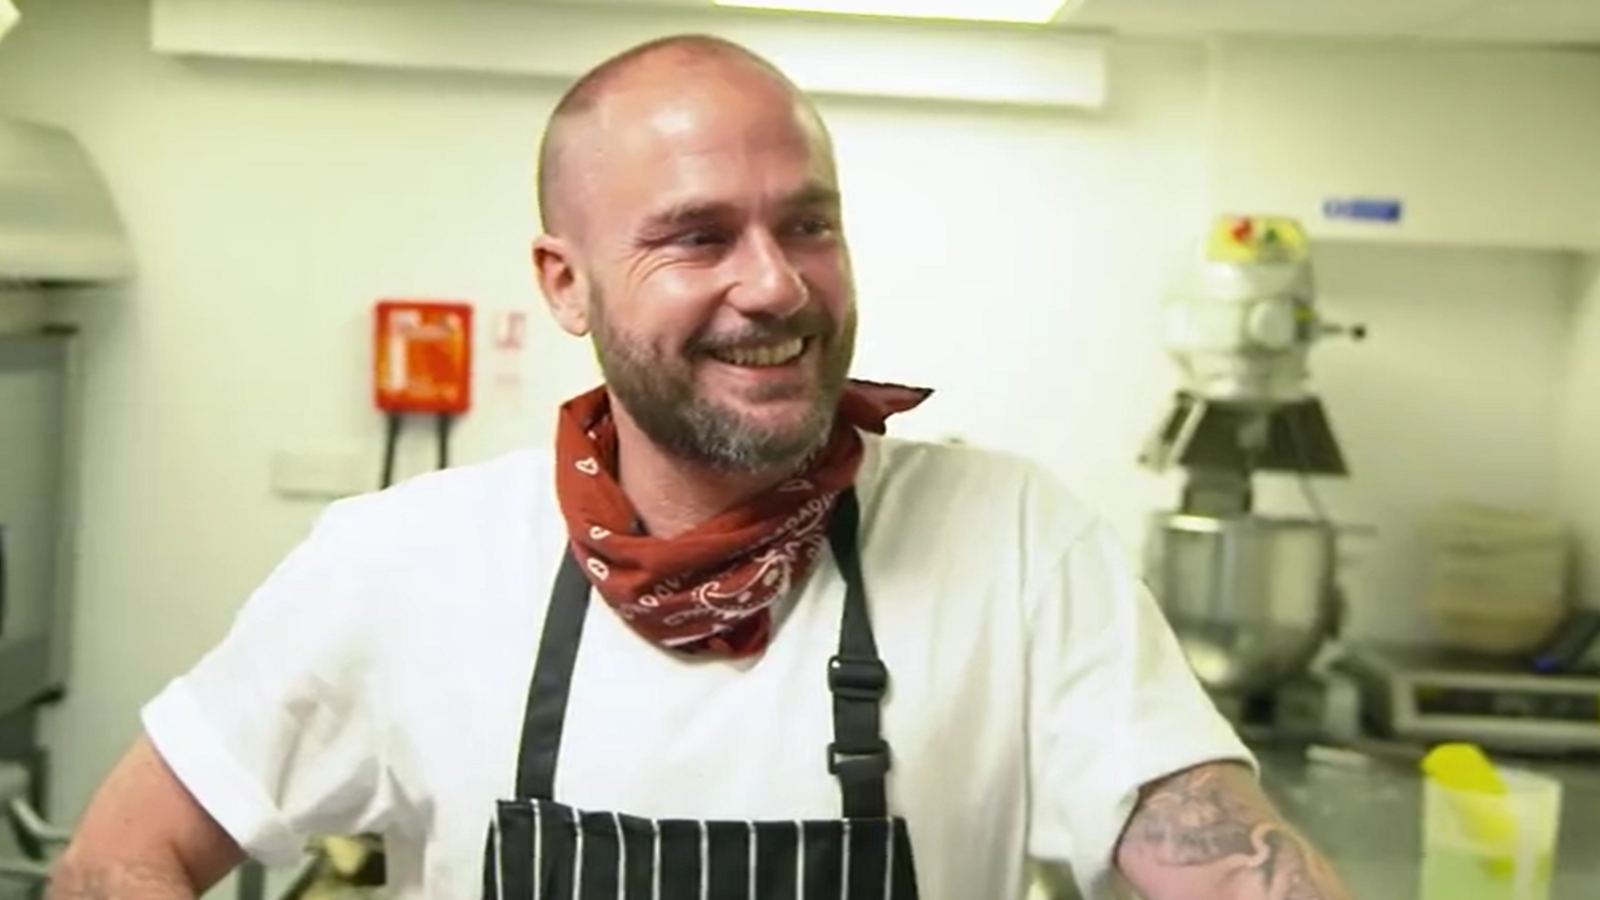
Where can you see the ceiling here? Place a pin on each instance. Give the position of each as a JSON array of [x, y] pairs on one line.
[[1498, 21]]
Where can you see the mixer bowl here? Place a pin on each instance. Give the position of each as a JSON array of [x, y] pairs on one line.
[[1251, 598]]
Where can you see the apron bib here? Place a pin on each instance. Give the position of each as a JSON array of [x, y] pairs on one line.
[[540, 849]]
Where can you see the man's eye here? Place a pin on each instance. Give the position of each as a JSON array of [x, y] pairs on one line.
[[701, 237], [817, 227]]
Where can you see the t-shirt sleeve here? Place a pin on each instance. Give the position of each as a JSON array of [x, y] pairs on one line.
[[273, 731], [1113, 706]]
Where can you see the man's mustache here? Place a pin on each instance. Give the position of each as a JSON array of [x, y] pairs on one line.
[[804, 324]]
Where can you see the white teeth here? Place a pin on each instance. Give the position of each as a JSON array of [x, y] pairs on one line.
[[774, 355]]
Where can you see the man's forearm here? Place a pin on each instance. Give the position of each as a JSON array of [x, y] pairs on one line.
[[77, 880], [144, 837], [1209, 833]]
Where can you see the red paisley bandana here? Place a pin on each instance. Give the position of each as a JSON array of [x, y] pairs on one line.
[[708, 590]]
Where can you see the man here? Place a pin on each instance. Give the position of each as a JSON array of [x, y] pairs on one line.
[[817, 662]]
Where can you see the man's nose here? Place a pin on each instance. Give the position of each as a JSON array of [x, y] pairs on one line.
[[767, 283]]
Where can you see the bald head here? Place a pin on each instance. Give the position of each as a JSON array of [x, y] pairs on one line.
[[677, 64]]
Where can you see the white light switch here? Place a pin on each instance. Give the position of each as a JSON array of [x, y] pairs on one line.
[[322, 473]]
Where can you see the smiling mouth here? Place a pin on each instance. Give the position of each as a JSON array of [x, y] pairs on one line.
[[767, 356]]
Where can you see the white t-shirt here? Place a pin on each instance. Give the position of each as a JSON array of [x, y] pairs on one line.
[[376, 682]]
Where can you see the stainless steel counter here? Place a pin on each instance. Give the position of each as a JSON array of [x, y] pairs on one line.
[[1368, 820]]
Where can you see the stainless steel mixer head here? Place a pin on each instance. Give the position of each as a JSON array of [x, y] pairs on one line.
[[1240, 327]]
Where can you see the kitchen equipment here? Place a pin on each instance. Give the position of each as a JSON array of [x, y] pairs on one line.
[[1252, 597], [1427, 694], [34, 530], [34, 371], [59, 227], [1497, 578], [25, 839], [61, 240], [1573, 647], [1250, 594]]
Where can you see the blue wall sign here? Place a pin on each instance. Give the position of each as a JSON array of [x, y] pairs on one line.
[[1363, 209]]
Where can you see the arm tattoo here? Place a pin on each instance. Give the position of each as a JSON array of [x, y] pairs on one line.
[[1209, 833]]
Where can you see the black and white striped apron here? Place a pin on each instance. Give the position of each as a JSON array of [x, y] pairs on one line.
[[539, 849]]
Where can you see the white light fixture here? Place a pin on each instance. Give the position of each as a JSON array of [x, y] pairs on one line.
[[8, 17], [1030, 12]]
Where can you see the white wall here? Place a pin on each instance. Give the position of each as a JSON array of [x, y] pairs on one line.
[[1011, 260], [1456, 393]]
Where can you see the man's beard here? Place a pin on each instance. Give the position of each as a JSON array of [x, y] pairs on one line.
[[659, 392]]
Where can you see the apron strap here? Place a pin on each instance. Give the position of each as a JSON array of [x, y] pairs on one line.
[[552, 681], [858, 756], [857, 678]]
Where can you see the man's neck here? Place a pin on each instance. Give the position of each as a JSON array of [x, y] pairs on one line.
[[672, 496]]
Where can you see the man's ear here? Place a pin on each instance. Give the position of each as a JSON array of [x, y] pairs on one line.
[[562, 282]]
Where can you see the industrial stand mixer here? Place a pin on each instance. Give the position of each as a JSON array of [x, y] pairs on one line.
[[1253, 598]]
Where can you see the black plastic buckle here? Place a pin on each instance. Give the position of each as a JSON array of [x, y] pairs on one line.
[[858, 763], [858, 679]]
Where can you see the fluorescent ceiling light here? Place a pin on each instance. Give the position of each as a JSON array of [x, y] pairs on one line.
[[1032, 12]]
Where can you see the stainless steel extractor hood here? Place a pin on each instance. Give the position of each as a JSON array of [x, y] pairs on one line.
[[58, 224]]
